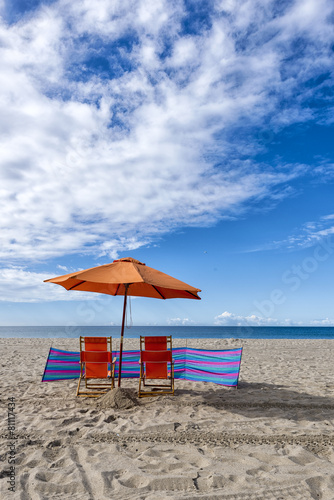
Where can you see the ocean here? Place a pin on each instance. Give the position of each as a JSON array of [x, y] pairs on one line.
[[179, 332]]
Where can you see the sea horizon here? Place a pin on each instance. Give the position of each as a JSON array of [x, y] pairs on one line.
[[196, 331]]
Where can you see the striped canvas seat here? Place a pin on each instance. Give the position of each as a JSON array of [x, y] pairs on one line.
[[96, 365], [156, 364]]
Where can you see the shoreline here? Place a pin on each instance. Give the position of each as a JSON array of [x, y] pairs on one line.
[[271, 438]]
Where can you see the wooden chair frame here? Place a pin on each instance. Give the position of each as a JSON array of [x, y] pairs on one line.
[[161, 358], [98, 359]]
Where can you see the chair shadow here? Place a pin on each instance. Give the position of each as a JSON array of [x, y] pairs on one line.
[[271, 399]]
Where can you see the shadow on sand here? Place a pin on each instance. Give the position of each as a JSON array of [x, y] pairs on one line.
[[270, 399]]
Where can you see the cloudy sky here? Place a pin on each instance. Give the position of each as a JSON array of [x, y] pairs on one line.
[[195, 136]]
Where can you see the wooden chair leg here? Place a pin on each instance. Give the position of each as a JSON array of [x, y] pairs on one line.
[[140, 376], [78, 388]]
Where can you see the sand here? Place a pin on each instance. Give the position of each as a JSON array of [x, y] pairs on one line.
[[270, 439]]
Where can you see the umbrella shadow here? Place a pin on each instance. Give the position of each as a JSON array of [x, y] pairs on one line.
[[270, 399]]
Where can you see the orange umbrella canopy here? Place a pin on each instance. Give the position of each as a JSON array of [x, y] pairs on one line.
[[139, 280]]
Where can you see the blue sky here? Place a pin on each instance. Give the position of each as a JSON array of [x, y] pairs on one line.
[[194, 136]]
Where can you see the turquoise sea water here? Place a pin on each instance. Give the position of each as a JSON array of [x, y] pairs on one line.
[[180, 332]]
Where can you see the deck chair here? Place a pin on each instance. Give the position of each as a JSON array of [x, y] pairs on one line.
[[96, 364], [156, 364]]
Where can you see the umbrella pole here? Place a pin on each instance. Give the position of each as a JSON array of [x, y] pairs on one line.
[[122, 335]]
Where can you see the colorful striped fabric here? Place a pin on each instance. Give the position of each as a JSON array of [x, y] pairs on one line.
[[200, 365], [61, 365]]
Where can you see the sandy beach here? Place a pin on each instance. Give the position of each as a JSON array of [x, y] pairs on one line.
[[270, 439]]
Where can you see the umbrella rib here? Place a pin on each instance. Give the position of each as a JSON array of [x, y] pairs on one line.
[[117, 289], [74, 286], [155, 288], [193, 294]]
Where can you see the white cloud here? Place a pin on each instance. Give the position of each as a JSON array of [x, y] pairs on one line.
[[322, 322], [328, 217], [310, 234], [99, 165], [324, 171], [180, 322], [63, 268], [231, 319], [17, 284]]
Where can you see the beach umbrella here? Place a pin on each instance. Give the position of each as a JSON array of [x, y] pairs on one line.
[[127, 277]]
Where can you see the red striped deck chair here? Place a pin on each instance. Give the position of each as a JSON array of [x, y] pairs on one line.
[[96, 366], [156, 364]]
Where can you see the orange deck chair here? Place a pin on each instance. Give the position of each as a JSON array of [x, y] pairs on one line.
[[156, 363], [96, 364]]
